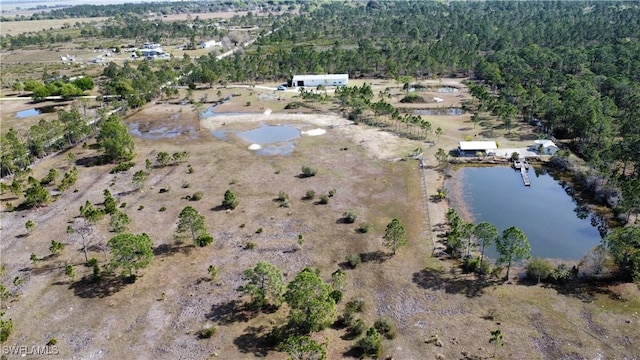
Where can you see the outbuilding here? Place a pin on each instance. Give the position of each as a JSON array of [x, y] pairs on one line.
[[471, 148], [317, 80], [546, 147], [210, 44]]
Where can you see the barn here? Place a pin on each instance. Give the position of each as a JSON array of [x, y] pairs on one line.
[[317, 80], [471, 148]]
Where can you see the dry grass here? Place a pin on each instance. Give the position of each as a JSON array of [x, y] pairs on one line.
[[21, 27], [159, 315]]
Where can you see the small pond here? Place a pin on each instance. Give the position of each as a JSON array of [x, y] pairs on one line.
[[161, 132], [266, 139], [35, 111], [448, 89], [555, 225], [442, 111]]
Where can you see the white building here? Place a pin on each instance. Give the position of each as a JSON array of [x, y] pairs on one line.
[[546, 147], [471, 148], [317, 80], [210, 44]]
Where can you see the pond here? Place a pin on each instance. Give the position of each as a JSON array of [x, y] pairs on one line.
[[442, 111], [35, 111], [266, 139], [161, 132], [555, 225]]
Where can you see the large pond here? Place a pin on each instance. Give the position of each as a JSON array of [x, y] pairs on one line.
[[555, 225]]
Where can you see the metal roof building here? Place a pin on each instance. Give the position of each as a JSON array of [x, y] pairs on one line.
[[472, 147], [317, 80]]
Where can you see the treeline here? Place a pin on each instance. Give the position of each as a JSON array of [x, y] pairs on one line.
[[159, 8]]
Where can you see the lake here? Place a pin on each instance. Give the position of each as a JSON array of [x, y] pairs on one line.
[[555, 225]]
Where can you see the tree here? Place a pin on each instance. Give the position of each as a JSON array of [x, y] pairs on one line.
[[485, 234], [163, 158], [539, 269], [394, 236], [56, 247], [30, 225], [512, 246], [115, 140], [229, 201], [110, 203], [265, 284], [139, 179], [190, 222], [119, 221], [496, 340], [36, 196], [312, 309], [371, 343], [130, 252], [442, 157], [84, 228], [624, 245], [303, 348]]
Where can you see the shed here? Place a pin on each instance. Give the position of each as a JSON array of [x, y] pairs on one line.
[[210, 44], [317, 80], [471, 148], [546, 147]]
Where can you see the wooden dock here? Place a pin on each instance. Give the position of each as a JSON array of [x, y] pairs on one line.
[[523, 165]]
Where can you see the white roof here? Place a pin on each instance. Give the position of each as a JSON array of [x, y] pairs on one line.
[[478, 145], [321, 77], [546, 143]]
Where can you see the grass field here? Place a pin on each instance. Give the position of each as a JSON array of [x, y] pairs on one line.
[[440, 312], [14, 28]]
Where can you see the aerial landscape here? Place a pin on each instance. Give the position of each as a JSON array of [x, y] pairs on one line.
[[290, 179]]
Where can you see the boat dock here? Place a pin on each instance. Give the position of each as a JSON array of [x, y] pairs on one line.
[[523, 165]]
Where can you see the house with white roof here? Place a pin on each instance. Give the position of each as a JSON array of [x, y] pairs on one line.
[[546, 147]]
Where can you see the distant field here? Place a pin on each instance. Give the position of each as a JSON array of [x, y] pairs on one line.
[[20, 27]]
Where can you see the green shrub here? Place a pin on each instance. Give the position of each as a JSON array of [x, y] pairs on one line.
[[371, 344], [350, 216], [386, 327], [324, 199], [56, 247], [190, 169], [141, 207], [164, 208], [363, 228], [185, 185], [213, 271], [52, 342], [250, 245], [197, 196], [412, 99], [121, 167], [336, 295], [308, 171], [332, 192], [203, 240], [123, 205], [206, 333], [230, 201], [282, 196], [539, 269], [292, 105], [354, 260], [357, 328], [309, 195]]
